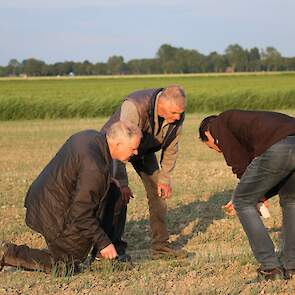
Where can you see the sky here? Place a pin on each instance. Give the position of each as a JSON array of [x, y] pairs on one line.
[[94, 30]]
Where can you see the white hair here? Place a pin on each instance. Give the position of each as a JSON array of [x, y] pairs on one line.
[[174, 94], [123, 130]]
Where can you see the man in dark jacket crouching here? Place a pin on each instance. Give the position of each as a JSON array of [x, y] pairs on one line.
[[67, 201]]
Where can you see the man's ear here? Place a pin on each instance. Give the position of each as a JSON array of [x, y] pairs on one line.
[[118, 145]]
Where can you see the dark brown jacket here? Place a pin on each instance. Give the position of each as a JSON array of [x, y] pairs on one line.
[[68, 196], [244, 135]]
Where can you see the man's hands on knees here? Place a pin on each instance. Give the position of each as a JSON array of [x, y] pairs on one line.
[[164, 190], [109, 252]]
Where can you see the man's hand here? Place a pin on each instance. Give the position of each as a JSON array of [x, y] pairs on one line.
[[229, 209], [164, 190], [115, 181], [109, 252], [126, 194]]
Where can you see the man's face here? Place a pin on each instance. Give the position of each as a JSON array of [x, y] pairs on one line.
[[211, 143], [127, 148], [172, 112]]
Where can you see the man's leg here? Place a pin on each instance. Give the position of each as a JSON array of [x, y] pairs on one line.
[[287, 202], [63, 255], [27, 258], [114, 218], [264, 172], [157, 210], [147, 168]]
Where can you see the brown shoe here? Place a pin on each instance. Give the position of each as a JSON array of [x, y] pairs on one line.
[[289, 273], [166, 251], [270, 274], [3, 249]]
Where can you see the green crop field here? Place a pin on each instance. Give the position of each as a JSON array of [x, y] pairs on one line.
[[94, 96], [220, 261]]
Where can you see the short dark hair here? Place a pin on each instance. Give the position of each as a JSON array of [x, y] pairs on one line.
[[204, 126]]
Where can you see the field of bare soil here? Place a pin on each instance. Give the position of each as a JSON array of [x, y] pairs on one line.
[[220, 260]]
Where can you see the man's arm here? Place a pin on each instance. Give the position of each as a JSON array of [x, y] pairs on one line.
[[129, 112], [90, 188], [235, 155], [168, 159]]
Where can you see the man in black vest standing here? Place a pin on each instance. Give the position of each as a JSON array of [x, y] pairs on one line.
[[159, 113], [260, 148]]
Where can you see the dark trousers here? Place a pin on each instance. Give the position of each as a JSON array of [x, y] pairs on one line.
[[276, 166], [62, 252]]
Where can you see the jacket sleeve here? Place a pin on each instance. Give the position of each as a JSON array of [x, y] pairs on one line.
[[91, 186], [120, 172], [235, 155], [128, 113], [168, 159]]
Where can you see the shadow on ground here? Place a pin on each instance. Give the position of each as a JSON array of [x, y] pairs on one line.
[[137, 233]]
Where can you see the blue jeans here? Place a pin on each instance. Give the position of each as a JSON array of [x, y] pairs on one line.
[[275, 166]]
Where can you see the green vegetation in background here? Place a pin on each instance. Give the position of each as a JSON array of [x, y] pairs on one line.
[[94, 97]]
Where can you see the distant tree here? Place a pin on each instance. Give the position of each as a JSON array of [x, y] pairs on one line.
[[100, 68], [14, 67], [78, 69], [189, 61], [215, 62], [180, 60], [115, 65], [272, 59], [237, 57], [33, 67], [144, 66], [3, 71], [87, 68], [254, 60], [289, 63], [167, 55], [136, 66], [63, 68]]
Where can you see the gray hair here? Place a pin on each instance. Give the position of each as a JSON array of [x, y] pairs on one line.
[[174, 94], [122, 130]]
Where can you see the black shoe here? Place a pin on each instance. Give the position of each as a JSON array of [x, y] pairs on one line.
[[270, 274], [121, 247], [124, 258], [122, 263]]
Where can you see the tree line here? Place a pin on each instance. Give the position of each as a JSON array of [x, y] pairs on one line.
[[168, 60]]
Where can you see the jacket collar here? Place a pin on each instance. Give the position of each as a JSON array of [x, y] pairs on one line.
[[105, 148], [153, 108]]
